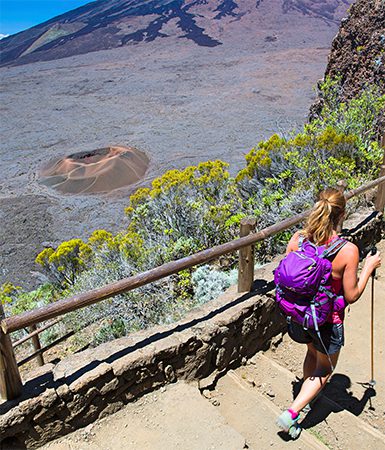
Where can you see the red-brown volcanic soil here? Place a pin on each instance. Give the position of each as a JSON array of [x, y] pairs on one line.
[[101, 170]]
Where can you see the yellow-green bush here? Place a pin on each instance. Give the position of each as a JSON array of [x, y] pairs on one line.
[[193, 203], [8, 291], [64, 263], [16, 300]]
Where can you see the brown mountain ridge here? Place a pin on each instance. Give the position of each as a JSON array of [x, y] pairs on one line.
[[105, 24]]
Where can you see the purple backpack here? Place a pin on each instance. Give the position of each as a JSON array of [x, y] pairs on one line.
[[304, 283]]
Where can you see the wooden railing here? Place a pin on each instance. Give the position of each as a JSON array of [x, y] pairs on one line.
[[34, 333], [38, 349], [10, 380]]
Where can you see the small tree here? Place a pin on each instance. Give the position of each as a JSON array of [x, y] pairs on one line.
[[66, 262]]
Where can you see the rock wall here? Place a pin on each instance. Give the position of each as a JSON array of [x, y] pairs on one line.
[[358, 50], [97, 382]]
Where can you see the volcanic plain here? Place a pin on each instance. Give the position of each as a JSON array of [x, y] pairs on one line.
[[175, 101]]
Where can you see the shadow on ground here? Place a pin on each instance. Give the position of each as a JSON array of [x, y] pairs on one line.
[[335, 398]]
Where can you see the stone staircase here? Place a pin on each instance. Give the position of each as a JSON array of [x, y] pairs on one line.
[[263, 386], [253, 415], [228, 410], [237, 411]]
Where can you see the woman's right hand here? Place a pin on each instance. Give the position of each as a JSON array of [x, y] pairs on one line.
[[353, 287], [372, 262]]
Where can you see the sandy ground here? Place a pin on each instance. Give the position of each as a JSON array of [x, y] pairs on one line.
[[179, 103], [174, 418]]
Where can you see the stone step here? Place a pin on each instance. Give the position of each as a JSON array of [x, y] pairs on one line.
[[173, 418], [335, 426], [254, 416]]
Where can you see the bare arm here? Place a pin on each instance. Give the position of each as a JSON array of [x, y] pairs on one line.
[[348, 267], [292, 246], [352, 285]]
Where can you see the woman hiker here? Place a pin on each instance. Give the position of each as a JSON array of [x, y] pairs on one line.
[[323, 348]]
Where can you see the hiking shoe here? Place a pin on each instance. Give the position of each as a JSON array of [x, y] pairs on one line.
[[286, 422], [295, 431]]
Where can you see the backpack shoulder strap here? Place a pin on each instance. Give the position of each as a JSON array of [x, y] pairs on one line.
[[301, 238], [334, 248]]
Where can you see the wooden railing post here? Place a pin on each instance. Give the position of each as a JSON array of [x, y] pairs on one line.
[[246, 258], [10, 380], [380, 197], [341, 186], [36, 345]]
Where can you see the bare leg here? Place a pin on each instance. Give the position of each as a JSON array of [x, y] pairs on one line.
[[315, 381], [310, 361]]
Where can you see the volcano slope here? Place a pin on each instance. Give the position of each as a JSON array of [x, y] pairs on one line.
[[171, 97], [104, 24]]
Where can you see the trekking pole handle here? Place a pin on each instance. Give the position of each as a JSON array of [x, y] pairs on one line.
[[373, 251]]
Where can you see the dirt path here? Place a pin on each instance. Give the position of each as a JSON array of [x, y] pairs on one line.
[[178, 417], [174, 418]]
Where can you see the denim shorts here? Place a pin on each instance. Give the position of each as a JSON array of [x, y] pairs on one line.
[[332, 335]]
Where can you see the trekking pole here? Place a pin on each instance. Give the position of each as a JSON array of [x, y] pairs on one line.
[[372, 382]]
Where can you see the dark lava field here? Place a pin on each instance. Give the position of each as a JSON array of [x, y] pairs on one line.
[[177, 100]]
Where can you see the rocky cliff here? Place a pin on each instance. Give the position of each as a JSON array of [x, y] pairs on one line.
[[358, 51]]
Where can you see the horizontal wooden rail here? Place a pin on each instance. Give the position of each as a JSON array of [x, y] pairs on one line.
[[64, 306], [364, 187], [40, 351], [34, 333]]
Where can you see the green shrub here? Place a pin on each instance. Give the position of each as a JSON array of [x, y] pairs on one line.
[[66, 262], [8, 292], [185, 211], [358, 117], [209, 282], [16, 300], [111, 329]]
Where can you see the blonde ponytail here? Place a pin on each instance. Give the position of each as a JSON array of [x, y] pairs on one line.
[[325, 216]]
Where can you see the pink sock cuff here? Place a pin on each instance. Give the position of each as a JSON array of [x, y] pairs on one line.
[[294, 414]]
